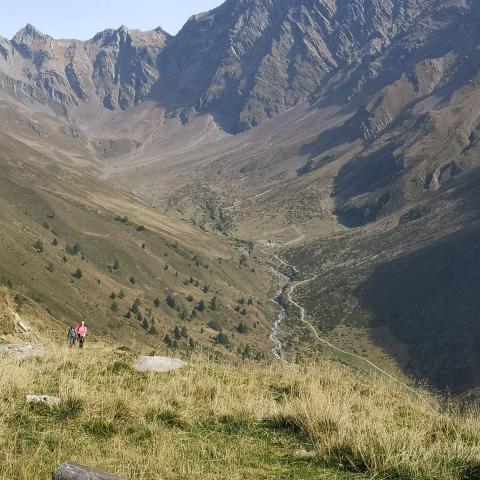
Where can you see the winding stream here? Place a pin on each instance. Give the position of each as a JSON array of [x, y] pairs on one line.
[[277, 348]]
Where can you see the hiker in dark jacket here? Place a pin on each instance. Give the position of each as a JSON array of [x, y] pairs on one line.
[[72, 336]]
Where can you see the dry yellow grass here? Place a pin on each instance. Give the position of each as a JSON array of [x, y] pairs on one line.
[[221, 421]]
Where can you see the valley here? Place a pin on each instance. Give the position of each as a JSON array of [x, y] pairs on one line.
[[150, 182]]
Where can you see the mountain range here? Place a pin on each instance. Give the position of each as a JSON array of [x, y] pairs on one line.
[[344, 133]]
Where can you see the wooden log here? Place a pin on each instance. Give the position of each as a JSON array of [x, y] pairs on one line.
[[73, 471]]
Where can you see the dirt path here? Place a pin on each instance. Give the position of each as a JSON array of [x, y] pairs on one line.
[[290, 291]]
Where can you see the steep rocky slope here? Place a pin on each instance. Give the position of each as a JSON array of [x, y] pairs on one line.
[[116, 69]]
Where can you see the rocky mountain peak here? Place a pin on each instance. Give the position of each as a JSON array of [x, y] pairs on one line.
[[29, 32]]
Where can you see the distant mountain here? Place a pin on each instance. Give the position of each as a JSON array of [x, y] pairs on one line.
[[115, 69], [244, 62], [249, 60]]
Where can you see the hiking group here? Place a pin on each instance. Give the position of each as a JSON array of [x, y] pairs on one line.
[[77, 332]]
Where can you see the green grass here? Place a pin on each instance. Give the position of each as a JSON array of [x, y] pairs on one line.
[[218, 421]]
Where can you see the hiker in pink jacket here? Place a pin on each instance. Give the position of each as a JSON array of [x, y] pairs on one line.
[[81, 331]]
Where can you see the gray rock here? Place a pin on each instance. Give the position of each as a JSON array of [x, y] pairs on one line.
[[158, 364], [23, 350], [73, 471], [46, 399]]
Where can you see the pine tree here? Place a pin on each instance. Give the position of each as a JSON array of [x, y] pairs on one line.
[[213, 304], [77, 274], [157, 302], [171, 302], [116, 264], [201, 306], [153, 331], [114, 307], [176, 333], [168, 341], [38, 246], [242, 328], [135, 306]]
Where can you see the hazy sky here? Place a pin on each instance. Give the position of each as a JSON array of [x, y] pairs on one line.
[[81, 19]]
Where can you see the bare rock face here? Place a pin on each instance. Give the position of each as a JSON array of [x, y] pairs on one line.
[[115, 69], [248, 60], [243, 62]]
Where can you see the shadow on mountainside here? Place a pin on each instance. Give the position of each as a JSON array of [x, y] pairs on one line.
[[431, 301]]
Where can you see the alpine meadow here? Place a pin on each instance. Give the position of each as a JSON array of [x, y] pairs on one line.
[[246, 251]]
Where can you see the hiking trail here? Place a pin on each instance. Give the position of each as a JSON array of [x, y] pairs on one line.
[[289, 289]]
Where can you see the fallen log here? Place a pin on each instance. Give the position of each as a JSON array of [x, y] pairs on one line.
[[73, 471]]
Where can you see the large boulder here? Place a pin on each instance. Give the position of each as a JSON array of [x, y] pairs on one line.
[[23, 350], [158, 364], [73, 471], [46, 399]]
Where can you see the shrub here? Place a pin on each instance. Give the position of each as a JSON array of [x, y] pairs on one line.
[[157, 302], [51, 267], [114, 307]]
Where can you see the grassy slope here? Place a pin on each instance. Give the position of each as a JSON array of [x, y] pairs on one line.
[[219, 421], [33, 184]]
